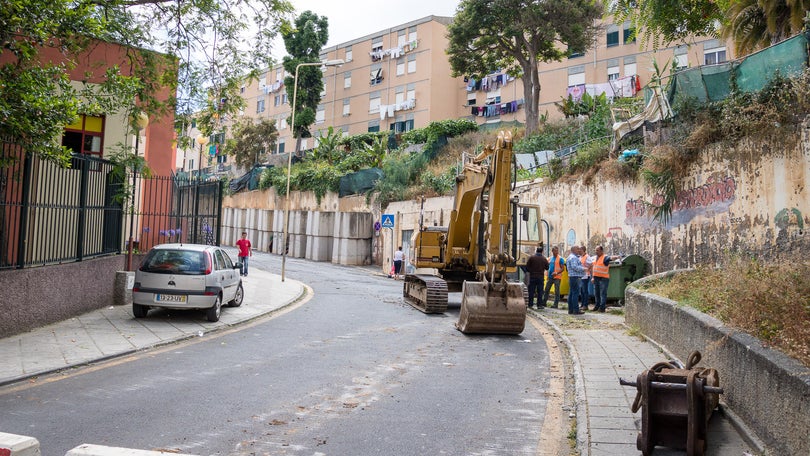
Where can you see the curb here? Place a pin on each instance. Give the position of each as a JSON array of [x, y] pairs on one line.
[[580, 402]]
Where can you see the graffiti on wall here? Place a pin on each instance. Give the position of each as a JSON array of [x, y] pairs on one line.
[[708, 200], [790, 219]]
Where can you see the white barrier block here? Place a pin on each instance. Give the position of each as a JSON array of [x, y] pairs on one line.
[[18, 445], [86, 449]]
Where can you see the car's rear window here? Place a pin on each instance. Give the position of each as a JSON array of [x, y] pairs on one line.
[[174, 262]]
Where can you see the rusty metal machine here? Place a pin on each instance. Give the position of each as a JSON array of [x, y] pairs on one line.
[[676, 403], [479, 248]]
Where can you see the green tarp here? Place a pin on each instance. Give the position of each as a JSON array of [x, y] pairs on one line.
[[752, 73], [359, 182]]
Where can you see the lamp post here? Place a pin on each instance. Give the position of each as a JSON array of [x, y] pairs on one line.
[[202, 140], [137, 122], [328, 63]]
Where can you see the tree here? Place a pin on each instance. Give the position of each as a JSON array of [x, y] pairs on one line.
[[516, 36], [201, 44], [754, 25], [304, 43], [252, 142], [665, 21]]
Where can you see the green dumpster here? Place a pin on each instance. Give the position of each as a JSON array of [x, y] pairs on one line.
[[622, 272]]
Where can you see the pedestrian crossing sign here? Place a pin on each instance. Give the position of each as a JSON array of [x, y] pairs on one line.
[[388, 220]]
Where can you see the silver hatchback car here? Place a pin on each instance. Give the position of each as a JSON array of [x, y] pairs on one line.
[[187, 276]]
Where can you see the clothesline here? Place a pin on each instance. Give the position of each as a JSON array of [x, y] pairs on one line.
[[488, 83], [388, 110], [496, 109]]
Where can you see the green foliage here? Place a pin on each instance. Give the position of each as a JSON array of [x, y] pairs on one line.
[[252, 142], [328, 148], [38, 100], [756, 24], [514, 36], [665, 21], [662, 180], [437, 184], [431, 133], [556, 169], [589, 155], [304, 43]]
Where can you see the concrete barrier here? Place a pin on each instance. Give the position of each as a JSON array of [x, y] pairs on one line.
[[18, 445], [768, 390], [99, 450]]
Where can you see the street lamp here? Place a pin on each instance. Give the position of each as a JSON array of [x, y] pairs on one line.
[[137, 122], [202, 140], [328, 63]]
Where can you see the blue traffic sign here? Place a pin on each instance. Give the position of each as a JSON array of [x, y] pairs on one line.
[[388, 220]]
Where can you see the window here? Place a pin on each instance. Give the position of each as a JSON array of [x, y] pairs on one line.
[[85, 136], [281, 146], [284, 98], [374, 102], [410, 91], [374, 126], [347, 79], [347, 107], [412, 34], [401, 38], [400, 95], [613, 69], [376, 44], [612, 35], [400, 67], [629, 33], [714, 56], [411, 64], [191, 164], [348, 57], [376, 74], [573, 55], [281, 123], [630, 69], [260, 106], [681, 58], [576, 75], [402, 126], [471, 99], [320, 115], [277, 100]]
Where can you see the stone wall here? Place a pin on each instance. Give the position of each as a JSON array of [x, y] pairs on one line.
[[36, 297], [767, 389]]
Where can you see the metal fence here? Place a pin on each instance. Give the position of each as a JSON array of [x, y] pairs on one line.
[[51, 214]]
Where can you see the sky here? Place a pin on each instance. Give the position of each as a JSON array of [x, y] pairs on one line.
[[350, 19]]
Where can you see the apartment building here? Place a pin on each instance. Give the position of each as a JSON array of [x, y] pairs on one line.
[[399, 79]]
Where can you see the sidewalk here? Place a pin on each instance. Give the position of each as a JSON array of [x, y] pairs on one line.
[[602, 351], [113, 331]]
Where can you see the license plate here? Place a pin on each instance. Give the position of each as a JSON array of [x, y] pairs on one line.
[[170, 298]]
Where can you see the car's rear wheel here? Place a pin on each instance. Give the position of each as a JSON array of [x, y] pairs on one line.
[[139, 311], [238, 297], [216, 310]]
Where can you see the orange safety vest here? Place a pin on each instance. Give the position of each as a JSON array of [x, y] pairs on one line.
[[558, 268], [599, 268]]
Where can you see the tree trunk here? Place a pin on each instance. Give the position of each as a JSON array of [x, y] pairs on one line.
[[531, 92]]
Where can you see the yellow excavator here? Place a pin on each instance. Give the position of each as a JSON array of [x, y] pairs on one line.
[[480, 248]]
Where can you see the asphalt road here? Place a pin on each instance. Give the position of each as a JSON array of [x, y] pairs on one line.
[[351, 371]]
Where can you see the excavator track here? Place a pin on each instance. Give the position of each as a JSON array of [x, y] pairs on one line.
[[426, 293]]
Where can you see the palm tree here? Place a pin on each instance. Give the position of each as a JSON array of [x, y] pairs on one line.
[[756, 24]]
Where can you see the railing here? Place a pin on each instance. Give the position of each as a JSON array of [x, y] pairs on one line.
[[50, 214]]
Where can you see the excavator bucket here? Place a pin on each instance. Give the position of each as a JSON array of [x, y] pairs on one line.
[[492, 308]]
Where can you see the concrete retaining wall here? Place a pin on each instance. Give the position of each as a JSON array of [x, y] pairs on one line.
[[338, 237], [768, 390]]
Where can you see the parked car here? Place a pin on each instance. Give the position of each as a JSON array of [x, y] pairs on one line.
[[187, 276]]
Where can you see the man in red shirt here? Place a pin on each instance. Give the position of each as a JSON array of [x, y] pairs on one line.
[[244, 253]]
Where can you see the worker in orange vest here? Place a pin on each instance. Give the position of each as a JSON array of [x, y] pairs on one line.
[[601, 277]]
